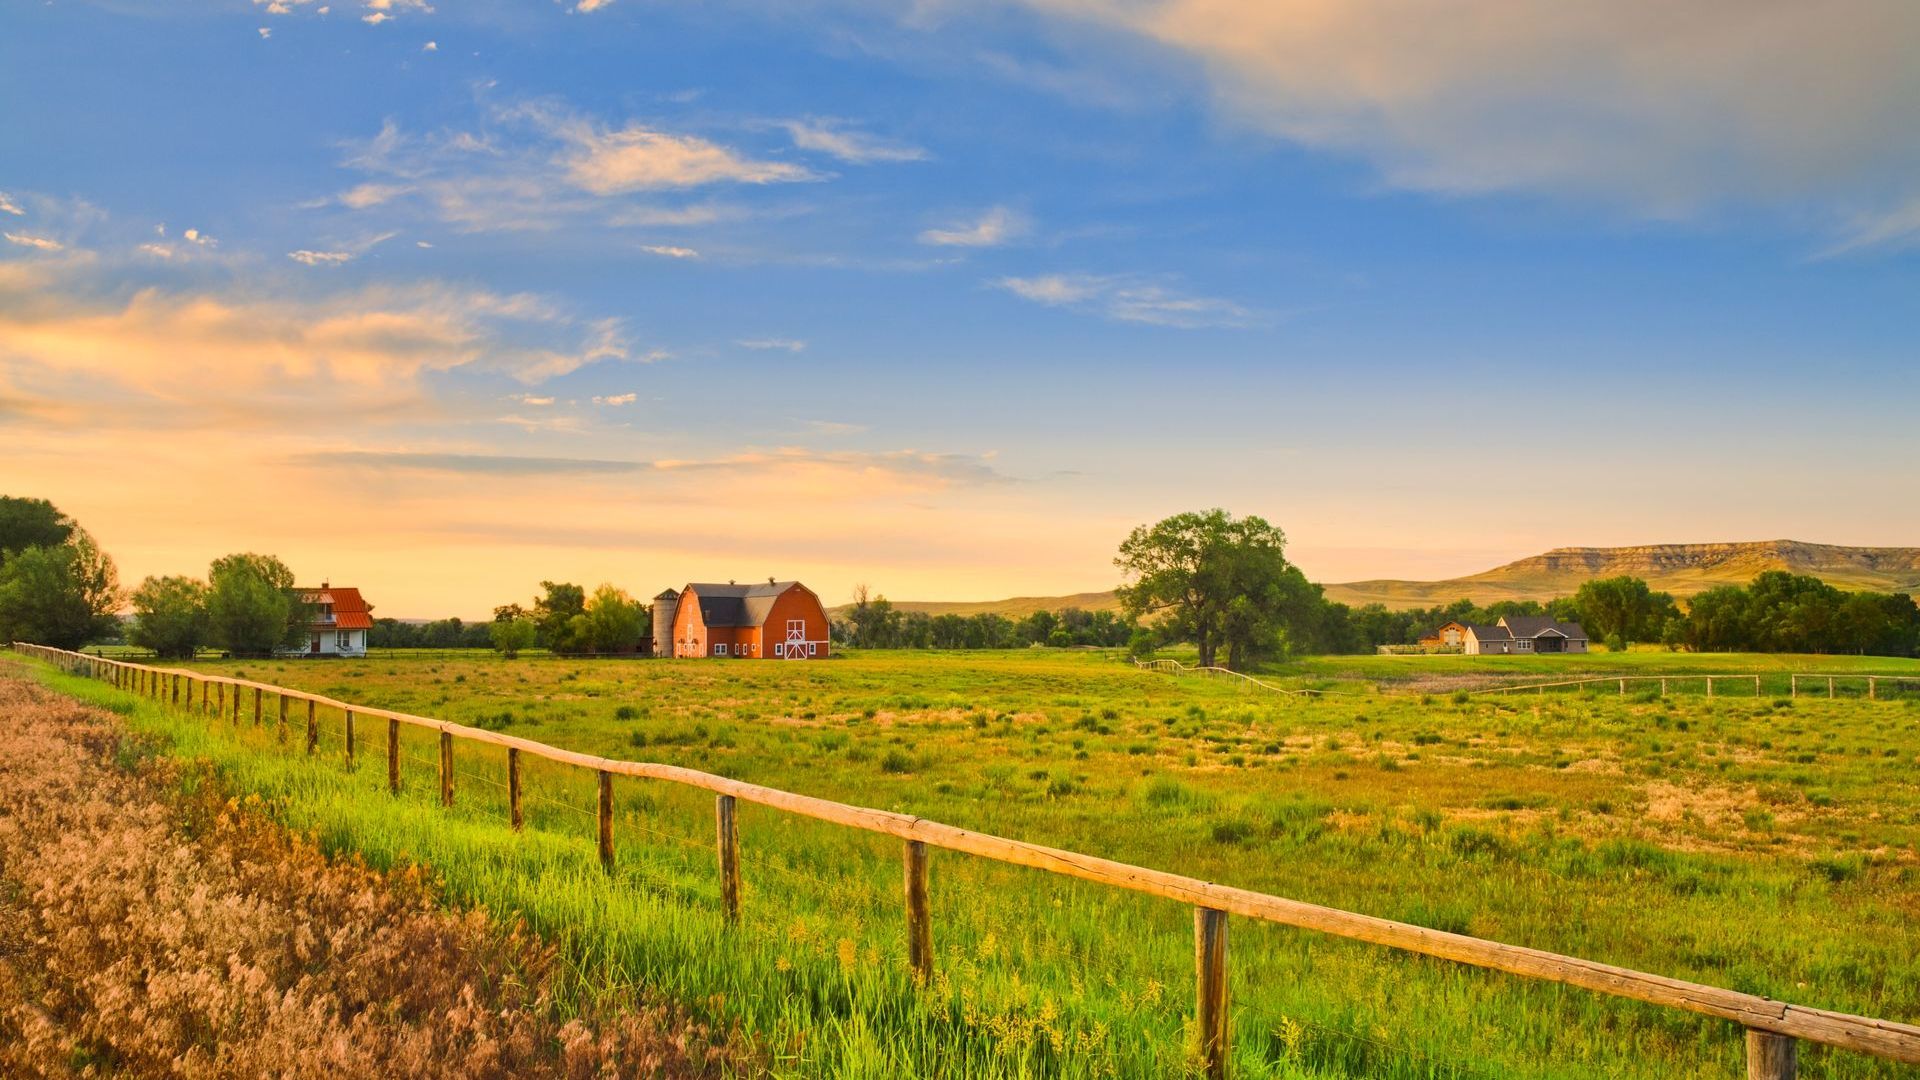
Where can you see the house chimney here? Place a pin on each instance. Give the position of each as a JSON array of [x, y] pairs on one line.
[[730, 581], [769, 579], [326, 584]]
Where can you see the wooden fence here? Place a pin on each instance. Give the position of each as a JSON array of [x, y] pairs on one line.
[[1772, 1027], [1175, 667], [1819, 679]]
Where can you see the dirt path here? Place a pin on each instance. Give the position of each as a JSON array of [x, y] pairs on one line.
[[147, 933]]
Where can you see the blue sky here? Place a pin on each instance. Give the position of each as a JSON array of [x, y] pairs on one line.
[[445, 299]]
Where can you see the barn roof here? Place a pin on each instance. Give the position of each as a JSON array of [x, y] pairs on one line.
[[737, 605]]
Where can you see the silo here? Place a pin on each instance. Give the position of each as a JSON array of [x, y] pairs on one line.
[[665, 606]]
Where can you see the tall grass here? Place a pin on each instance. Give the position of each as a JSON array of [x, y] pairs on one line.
[[1489, 818]]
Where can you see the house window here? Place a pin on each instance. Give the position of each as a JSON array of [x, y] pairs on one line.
[[719, 650], [343, 639]]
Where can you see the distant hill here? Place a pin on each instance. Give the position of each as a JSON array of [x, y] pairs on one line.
[[1681, 569]]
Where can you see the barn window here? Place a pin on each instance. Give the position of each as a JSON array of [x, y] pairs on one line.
[[719, 650], [813, 648], [779, 650]]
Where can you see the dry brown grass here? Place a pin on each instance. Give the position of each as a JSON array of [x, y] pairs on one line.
[[148, 933]]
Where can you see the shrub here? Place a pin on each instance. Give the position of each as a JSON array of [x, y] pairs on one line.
[[896, 761]]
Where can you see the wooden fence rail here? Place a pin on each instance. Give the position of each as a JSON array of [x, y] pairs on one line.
[[1772, 1027], [1820, 679]]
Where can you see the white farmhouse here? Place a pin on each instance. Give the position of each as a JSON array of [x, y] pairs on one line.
[[341, 620]]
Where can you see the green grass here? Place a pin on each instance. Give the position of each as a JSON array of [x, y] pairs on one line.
[[1765, 845]]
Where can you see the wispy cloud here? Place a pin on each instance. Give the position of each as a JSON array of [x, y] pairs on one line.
[[670, 251], [8, 206], [1659, 108], [586, 7], [789, 344], [337, 257], [640, 158], [994, 227], [920, 468], [1129, 299], [835, 427], [615, 400], [853, 147], [41, 243]]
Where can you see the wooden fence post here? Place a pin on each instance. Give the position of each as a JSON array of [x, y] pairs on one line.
[[1771, 1056], [313, 729], [1873, 688], [513, 787], [606, 821], [446, 768], [1793, 686], [1709, 686], [349, 738], [256, 706], [219, 700], [919, 920], [728, 836], [203, 697], [280, 729], [1829, 686], [1210, 991], [236, 706], [1623, 688], [393, 756]]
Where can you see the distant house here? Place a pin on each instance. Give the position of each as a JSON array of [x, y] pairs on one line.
[[340, 623], [1525, 635], [778, 620], [1453, 634]]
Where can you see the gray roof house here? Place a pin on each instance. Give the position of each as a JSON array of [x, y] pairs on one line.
[[1524, 635]]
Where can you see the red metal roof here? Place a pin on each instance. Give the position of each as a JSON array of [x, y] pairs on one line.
[[350, 610]]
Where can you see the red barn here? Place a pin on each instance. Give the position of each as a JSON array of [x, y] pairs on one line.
[[780, 620]]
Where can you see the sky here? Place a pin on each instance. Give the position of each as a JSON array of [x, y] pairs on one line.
[[445, 299]]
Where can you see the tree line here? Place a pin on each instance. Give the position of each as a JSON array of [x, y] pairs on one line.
[[1224, 585], [874, 623]]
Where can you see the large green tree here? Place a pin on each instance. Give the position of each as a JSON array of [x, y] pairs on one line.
[[28, 523], [613, 622], [252, 609], [1219, 582], [1622, 610], [556, 613], [170, 616], [512, 636], [61, 594]]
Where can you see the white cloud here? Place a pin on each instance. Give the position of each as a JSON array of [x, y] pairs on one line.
[[616, 400], [320, 258], [421, 244], [158, 251], [8, 206], [639, 158], [789, 344], [854, 147], [41, 243], [363, 196], [586, 6], [676, 216], [537, 402], [431, 46], [266, 32], [669, 251], [345, 253], [1128, 299], [1898, 227], [1663, 108], [376, 18], [195, 236], [997, 226]]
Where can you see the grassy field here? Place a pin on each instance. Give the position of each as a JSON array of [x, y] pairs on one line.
[[1763, 844]]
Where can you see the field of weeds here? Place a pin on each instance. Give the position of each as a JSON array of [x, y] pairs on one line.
[[150, 926], [1764, 844]]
